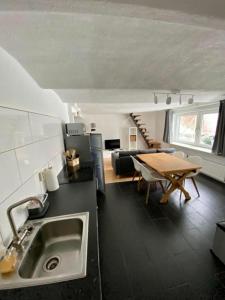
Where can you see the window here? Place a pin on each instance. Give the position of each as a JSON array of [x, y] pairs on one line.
[[187, 125], [195, 128], [208, 129]]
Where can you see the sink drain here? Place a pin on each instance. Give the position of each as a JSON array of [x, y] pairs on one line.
[[51, 263]]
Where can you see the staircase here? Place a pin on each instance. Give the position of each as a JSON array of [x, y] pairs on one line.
[[144, 132]]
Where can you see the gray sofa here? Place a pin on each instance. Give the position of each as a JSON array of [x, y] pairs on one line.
[[122, 163]]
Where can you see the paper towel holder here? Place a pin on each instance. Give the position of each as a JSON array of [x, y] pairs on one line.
[[51, 179]]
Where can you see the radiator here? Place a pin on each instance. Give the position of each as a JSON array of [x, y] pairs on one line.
[[213, 169]]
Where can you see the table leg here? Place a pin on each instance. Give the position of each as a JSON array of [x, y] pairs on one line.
[[165, 197], [176, 183], [186, 194]]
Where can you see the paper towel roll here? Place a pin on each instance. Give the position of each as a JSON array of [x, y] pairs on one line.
[[51, 180]]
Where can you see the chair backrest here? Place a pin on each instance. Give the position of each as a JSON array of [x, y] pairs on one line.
[[149, 175], [179, 154], [195, 160], [137, 164], [146, 173]]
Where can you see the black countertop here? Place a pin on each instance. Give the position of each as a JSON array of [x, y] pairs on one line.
[[70, 175], [70, 198]]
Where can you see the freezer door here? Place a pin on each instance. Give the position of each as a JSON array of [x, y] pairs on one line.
[[82, 144], [96, 140], [99, 170]]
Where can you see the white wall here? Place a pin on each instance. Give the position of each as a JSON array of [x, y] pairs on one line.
[[113, 126], [18, 90], [150, 119], [155, 122], [30, 137]]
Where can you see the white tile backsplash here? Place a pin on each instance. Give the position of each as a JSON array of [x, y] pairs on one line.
[[57, 163], [9, 174], [43, 127], [31, 187], [34, 157], [33, 141], [52, 147], [14, 129], [30, 159]]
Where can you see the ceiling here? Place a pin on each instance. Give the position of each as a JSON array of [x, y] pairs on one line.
[[130, 100], [110, 56], [213, 8]]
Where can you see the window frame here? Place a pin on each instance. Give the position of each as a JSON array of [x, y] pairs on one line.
[[202, 113], [199, 122], [177, 127]]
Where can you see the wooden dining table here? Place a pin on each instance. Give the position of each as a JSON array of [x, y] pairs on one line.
[[172, 168]]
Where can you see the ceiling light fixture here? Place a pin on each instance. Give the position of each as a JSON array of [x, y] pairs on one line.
[[191, 100], [168, 100], [180, 100]]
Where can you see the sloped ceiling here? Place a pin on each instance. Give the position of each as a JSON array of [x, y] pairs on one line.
[[111, 52]]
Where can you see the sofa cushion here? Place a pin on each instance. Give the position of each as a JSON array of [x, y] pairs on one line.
[[126, 165], [128, 153], [115, 155], [115, 162], [122, 163], [166, 150]]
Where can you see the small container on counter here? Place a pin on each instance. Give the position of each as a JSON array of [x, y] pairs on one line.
[[8, 260], [72, 158]]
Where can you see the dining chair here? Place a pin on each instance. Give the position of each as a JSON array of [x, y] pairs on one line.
[[179, 154], [150, 176], [137, 170], [198, 161]]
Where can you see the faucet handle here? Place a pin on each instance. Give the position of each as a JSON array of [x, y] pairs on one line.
[[27, 227], [17, 239]]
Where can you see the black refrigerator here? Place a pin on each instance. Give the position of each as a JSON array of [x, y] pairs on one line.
[[89, 147], [97, 156]]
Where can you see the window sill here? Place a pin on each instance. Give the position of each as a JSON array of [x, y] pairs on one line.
[[193, 147]]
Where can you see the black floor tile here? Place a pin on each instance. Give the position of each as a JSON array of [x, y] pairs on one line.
[[160, 251], [221, 277]]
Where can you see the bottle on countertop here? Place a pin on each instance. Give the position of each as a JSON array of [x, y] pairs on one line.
[[51, 179], [8, 260]]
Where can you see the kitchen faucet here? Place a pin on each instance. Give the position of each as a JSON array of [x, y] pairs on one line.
[[17, 238]]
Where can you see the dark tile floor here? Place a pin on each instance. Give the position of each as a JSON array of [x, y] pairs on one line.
[[160, 251]]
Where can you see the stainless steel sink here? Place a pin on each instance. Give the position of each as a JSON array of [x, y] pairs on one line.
[[55, 251]]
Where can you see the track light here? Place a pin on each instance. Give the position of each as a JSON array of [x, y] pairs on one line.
[[168, 100], [191, 100]]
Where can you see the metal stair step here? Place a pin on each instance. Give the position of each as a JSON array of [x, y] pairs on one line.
[[134, 116], [144, 132]]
